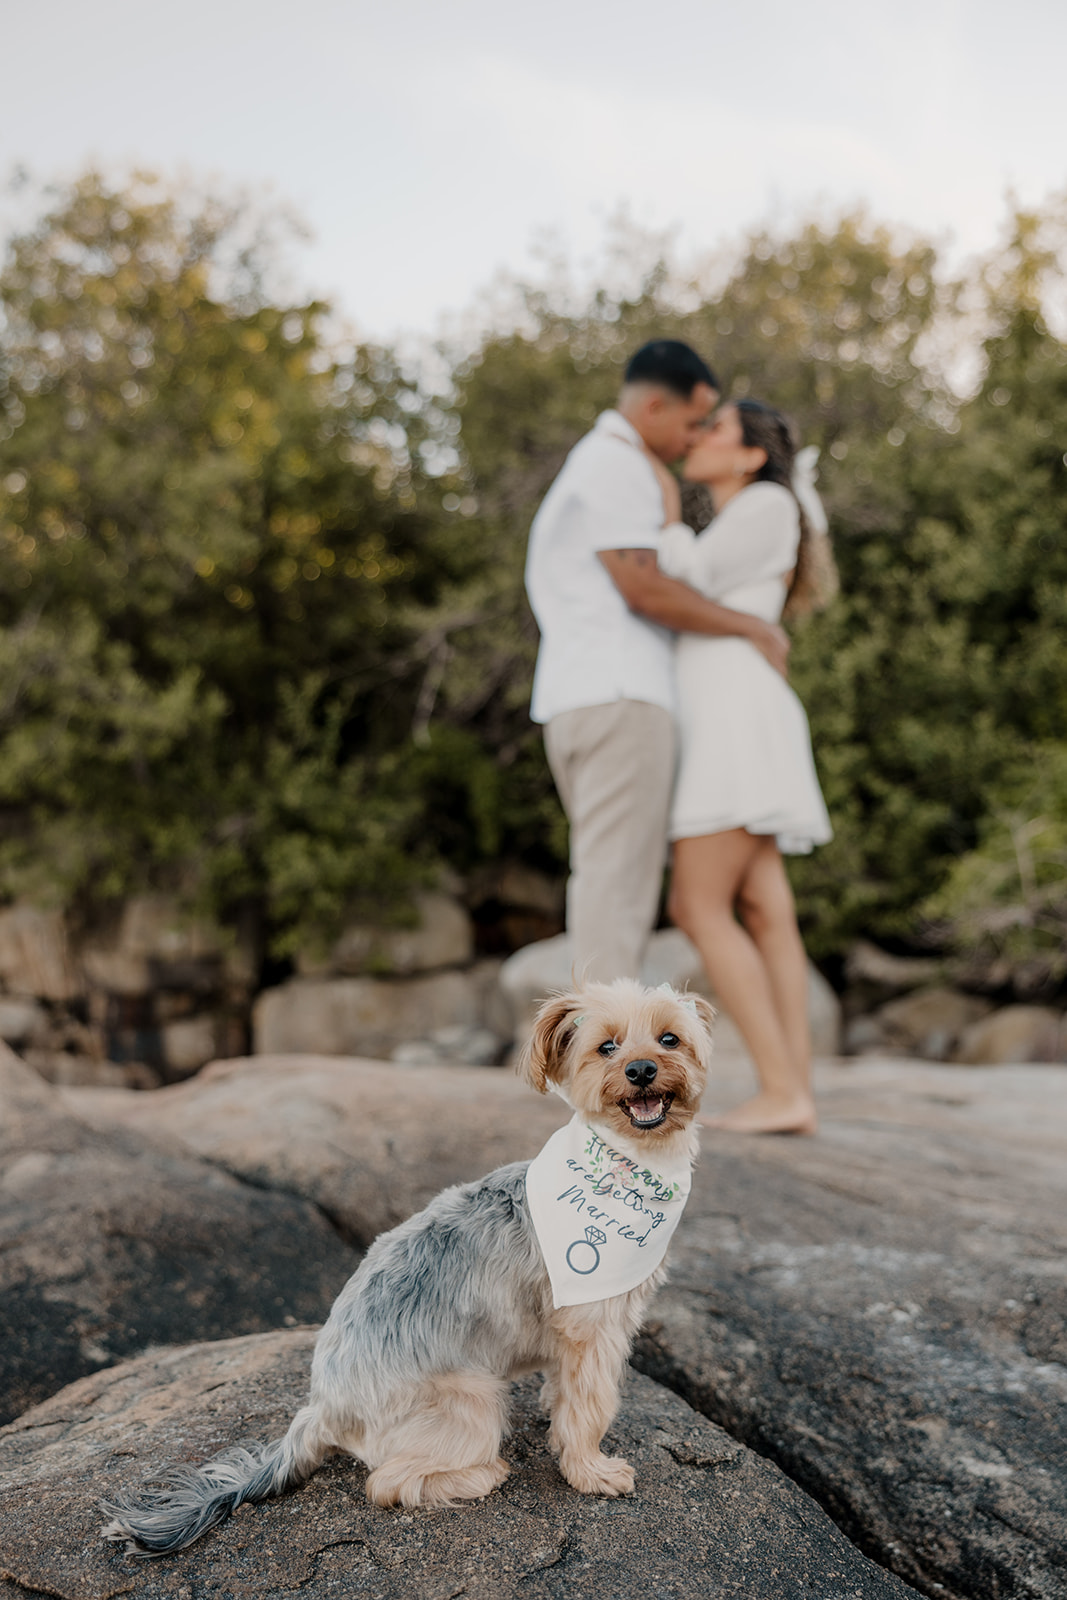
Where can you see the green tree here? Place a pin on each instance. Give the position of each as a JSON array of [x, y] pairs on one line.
[[210, 543], [1003, 901]]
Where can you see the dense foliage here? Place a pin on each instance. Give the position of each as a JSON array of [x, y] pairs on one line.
[[214, 573], [256, 644]]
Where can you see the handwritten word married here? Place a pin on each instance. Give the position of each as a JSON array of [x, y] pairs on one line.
[[609, 1175]]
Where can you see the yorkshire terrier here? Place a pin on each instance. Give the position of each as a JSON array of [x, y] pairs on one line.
[[543, 1266]]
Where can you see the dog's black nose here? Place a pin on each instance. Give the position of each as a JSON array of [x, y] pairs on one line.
[[641, 1073]]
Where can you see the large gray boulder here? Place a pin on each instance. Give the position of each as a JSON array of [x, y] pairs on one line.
[[708, 1517], [930, 1022], [880, 1309], [35, 957], [111, 1241], [368, 1142], [441, 935], [1015, 1033], [883, 1312], [372, 1016]]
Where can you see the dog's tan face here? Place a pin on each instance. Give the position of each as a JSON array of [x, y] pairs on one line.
[[633, 1057]]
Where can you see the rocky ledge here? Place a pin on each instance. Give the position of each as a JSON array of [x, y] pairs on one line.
[[883, 1311], [111, 1240], [708, 1517], [880, 1310]]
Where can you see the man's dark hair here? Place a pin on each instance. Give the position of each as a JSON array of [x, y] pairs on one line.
[[672, 364]]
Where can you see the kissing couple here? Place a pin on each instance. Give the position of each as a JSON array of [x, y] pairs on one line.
[[661, 686]]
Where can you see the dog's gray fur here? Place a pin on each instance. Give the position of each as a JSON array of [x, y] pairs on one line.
[[459, 1286], [411, 1370]]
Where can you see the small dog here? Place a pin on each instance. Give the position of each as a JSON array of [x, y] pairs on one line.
[[411, 1370]]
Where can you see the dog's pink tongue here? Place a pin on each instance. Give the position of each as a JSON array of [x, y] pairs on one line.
[[648, 1109]]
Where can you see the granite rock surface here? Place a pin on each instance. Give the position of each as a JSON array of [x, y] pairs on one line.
[[881, 1310], [707, 1518], [111, 1240], [370, 1142]]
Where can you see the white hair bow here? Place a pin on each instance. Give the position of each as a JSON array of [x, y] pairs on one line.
[[805, 472], [686, 1000]]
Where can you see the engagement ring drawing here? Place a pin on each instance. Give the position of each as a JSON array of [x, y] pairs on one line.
[[583, 1255]]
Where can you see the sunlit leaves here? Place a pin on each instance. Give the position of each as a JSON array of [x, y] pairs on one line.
[[217, 507]]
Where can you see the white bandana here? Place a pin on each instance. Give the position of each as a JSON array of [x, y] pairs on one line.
[[603, 1220]]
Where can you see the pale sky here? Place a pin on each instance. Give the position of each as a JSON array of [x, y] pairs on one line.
[[428, 144]]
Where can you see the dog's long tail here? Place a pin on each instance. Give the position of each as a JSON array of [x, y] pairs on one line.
[[158, 1521]]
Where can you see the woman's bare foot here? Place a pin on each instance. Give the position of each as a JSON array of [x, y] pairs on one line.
[[768, 1113]]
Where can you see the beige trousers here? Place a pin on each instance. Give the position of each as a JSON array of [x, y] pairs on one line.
[[614, 769]]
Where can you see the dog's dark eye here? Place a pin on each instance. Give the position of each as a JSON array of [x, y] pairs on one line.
[[669, 1041], [608, 1048]]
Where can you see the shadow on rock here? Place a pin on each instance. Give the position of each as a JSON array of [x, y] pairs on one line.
[[111, 1242]]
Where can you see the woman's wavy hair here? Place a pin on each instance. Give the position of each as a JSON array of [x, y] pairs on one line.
[[814, 576]]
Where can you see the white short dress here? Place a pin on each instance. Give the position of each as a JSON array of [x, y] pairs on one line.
[[745, 749]]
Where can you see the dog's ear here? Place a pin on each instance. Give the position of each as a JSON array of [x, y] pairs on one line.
[[542, 1055], [704, 1010], [705, 1014]]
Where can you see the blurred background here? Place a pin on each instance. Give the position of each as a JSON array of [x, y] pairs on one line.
[[301, 312]]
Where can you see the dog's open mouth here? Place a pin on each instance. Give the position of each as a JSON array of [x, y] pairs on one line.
[[648, 1109]]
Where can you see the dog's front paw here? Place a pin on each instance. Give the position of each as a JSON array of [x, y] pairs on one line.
[[598, 1474]]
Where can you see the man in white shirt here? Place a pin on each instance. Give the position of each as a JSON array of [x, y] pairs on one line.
[[603, 687]]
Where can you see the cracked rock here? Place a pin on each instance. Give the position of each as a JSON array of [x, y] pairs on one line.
[[882, 1311], [368, 1141], [111, 1241], [708, 1518]]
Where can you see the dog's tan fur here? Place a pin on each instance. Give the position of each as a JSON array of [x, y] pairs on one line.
[[411, 1370], [593, 1341]]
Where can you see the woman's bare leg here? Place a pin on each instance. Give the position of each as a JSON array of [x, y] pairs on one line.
[[768, 910], [766, 907], [710, 875]]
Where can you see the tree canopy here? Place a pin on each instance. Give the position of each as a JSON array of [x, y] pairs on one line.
[[212, 569], [256, 644]]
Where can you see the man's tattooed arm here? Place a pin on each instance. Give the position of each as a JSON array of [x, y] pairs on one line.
[[673, 604]]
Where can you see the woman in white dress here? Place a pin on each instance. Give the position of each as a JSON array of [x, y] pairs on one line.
[[747, 789]]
